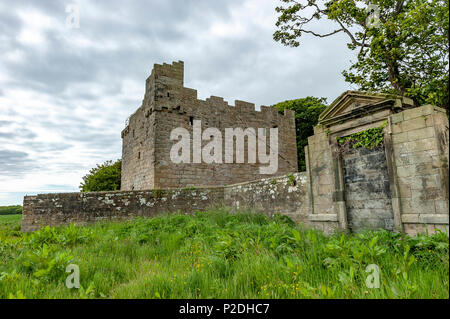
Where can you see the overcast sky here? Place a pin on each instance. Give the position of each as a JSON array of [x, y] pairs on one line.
[[65, 92]]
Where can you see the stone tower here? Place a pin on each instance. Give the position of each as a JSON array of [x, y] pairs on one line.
[[167, 104]]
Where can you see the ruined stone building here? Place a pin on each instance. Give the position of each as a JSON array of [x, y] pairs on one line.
[[400, 185], [167, 104]]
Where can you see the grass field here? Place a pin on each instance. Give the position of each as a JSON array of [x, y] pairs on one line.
[[218, 255]]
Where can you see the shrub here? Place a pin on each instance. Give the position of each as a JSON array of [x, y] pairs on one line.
[[104, 177]]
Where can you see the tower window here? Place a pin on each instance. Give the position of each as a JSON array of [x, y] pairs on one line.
[[139, 155], [191, 120], [168, 94]]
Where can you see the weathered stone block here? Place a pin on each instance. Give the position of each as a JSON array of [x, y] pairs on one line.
[[426, 193], [417, 112], [323, 217], [413, 124], [417, 206], [414, 229], [420, 134], [404, 190], [442, 207], [433, 219], [404, 159], [410, 218], [400, 138], [397, 128], [421, 182], [418, 145], [406, 171], [395, 118]]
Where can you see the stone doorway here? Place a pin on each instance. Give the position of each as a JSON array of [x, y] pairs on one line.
[[367, 189]]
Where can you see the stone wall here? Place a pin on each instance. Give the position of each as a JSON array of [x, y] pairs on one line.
[[420, 143], [138, 156], [146, 161], [285, 195], [82, 208]]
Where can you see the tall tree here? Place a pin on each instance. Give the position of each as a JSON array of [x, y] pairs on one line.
[[307, 111], [402, 45]]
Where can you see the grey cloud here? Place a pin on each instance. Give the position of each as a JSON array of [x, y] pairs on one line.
[[153, 24], [10, 23], [17, 134], [46, 147], [12, 155], [6, 135], [5, 123], [15, 163]]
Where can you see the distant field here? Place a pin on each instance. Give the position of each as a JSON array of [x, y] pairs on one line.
[[10, 210], [217, 255]]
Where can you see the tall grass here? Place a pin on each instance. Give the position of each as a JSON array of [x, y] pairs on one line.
[[216, 254]]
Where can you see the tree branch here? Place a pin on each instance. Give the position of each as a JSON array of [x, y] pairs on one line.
[[352, 38], [321, 35]]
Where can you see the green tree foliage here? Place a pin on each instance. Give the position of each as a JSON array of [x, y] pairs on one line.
[[307, 111], [104, 177], [10, 210], [403, 50]]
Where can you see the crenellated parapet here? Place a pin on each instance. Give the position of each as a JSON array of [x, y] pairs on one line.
[[165, 92]]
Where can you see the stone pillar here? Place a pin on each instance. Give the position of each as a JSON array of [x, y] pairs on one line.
[[420, 150], [323, 213]]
